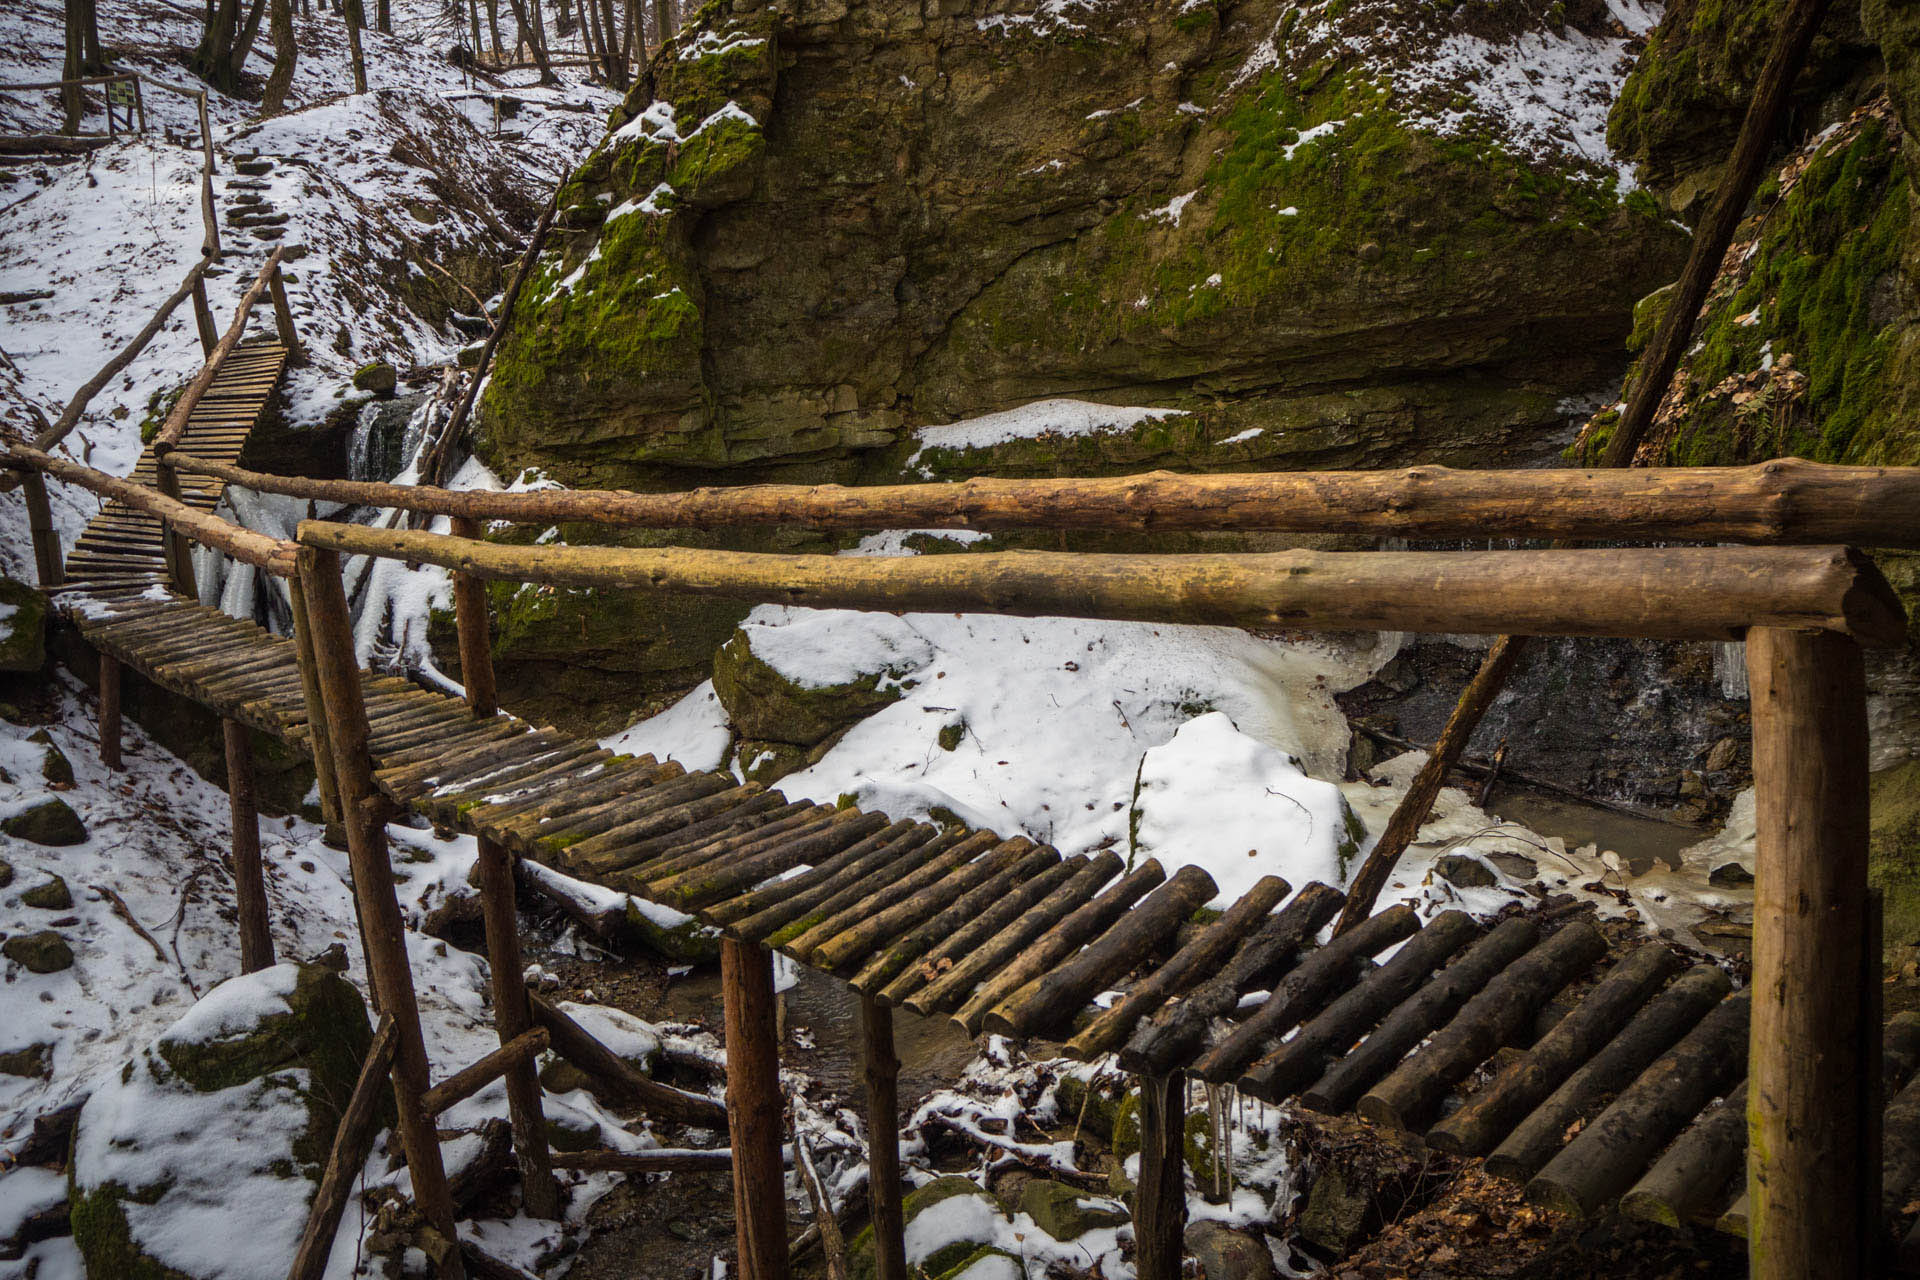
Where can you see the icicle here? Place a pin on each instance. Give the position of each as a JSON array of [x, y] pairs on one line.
[[1730, 667]]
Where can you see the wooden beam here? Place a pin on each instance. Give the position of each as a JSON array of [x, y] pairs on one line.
[[753, 1110], [1811, 1068], [352, 1143], [110, 711], [47, 560], [1160, 1196], [476, 645], [249, 879], [383, 930], [283, 318], [469, 1080], [513, 1020], [1683, 593], [880, 1073], [1787, 500], [644, 1161], [574, 1043], [318, 739]]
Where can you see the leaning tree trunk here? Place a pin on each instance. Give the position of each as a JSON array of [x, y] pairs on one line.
[[243, 43], [273, 99], [355, 20]]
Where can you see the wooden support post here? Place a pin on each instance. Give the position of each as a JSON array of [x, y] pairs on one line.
[[283, 318], [880, 1069], [753, 1110], [249, 881], [382, 929], [46, 539], [109, 711], [317, 736], [512, 1019], [1811, 1073], [203, 318], [470, 618], [352, 1143], [179, 549], [1160, 1197]]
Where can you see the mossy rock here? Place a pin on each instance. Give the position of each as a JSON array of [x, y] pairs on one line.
[[1465, 871], [380, 378], [1335, 1216], [34, 1062], [980, 1262], [1893, 850], [42, 952], [23, 627], [49, 895], [54, 765], [568, 1130], [52, 823], [763, 704], [1095, 1115], [860, 1264], [231, 1111], [765, 762], [1067, 1213]]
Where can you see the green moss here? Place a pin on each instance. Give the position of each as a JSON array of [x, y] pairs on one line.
[[765, 705], [1894, 850], [105, 1239]]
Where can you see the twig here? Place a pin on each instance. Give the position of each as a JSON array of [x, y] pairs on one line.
[[832, 1243], [125, 912]]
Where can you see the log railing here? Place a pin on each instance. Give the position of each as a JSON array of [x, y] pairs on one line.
[[1787, 500], [1806, 612]]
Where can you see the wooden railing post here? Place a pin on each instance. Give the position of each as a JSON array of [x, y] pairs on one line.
[[753, 1110], [109, 711], [1160, 1196], [203, 317], [46, 539], [179, 549], [470, 620], [382, 929], [317, 736], [1814, 1052], [880, 1069], [283, 318], [511, 1015], [249, 881]]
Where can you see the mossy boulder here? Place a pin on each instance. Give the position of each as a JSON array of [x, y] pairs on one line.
[[379, 378], [673, 934], [43, 951], [54, 765], [23, 627], [221, 1124], [35, 1061], [49, 895], [758, 760], [52, 822], [767, 705], [1067, 1213], [941, 1243]]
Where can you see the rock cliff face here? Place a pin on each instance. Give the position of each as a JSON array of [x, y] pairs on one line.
[[1347, 235]]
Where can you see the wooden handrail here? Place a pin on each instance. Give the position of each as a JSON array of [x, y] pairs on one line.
[[44, 85], [1680, 593], [257, 549], [176, 422], [1787, 500]]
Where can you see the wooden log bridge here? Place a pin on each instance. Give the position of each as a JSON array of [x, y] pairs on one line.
[[1001, 934]]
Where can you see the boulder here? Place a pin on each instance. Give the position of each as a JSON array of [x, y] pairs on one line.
[[41, 952], [52, 822], [49, 895], [1227, 1254], [1067, 1213], [950, 1222], [23, 627], [199, 1157], [805, 698], [379, 377]]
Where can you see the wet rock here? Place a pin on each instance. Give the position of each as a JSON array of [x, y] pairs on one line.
[[1516, 865], [1335, 1218], [52, 822], [1730, 876], [23, 627], [41, 952], [54, 765], [1466, 872], [52, 895], [1065, 1212], [379, 377], [1722, 756], [1226, 1254]]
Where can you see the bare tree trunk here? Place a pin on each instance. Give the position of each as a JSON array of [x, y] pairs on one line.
[[662, 21], [72, 100], [213, 60], [243, 44], [526, 14], [473, 20], [92, 58], [610, 45], [356, 20], [273, 99], [383, 17], [493, 22]]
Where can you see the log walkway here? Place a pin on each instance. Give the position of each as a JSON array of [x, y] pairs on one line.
[[1008, 936]]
